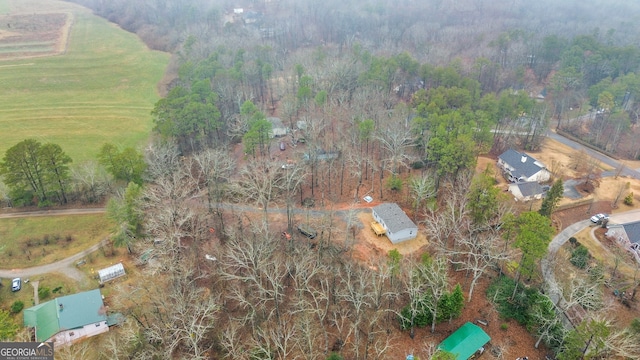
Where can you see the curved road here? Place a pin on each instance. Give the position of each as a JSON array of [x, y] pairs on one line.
[[547, 262], [64, 266], [594, 154], [564, 235]]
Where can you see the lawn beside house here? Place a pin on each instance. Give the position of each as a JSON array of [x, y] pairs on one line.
[[27, 242]]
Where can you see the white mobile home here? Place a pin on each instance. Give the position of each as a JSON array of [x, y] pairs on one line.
[[398, 227]]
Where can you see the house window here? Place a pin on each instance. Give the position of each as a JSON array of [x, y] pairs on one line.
[[98, 325]]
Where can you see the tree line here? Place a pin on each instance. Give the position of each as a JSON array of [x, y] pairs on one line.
[[39, 174], [600, 78]]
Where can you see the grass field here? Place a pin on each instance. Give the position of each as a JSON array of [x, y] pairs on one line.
[[101, 89], [62, 284], [27, 242], [4, 7]]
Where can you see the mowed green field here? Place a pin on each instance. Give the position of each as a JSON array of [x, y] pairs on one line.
[[101, 89]]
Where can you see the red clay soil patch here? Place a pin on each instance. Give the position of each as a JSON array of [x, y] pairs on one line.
[[33, 35], [566, 217], [514, 340]]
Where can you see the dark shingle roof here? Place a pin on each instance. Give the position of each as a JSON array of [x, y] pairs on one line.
[[394, 218], [530, 188], [514, 159], [633, 231]]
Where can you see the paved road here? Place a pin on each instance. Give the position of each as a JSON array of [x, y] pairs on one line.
[[633, 215], [548, 262], [594, 154], [625, 217]]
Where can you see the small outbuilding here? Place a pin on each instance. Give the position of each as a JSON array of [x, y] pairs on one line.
[[466, 341], [526, 191], [396, 224], [110, 273]]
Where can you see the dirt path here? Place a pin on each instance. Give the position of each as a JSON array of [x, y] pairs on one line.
[[86, 211], [64, 266], [36, 298]]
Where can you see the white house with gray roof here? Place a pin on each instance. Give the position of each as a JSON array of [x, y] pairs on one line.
[[520, 167], [396, 223], [627, 235]]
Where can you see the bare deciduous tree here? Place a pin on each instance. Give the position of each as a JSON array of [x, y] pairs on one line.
[[171, 217], [422, 188], [585, 293], [292, 179], [476, 253], [90, 180], [396, 140], [162, 158], [550, 327], [214, 166], [259, 182], [355, 291]]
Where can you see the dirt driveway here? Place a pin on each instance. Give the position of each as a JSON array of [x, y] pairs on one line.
[[66, 267]]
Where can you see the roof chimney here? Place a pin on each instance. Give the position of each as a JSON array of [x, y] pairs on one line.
[[524, 158]]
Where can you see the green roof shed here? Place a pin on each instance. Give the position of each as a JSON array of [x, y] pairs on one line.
[[465, 341]]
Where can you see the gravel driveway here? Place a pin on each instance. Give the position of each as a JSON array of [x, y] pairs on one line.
[[66, 267]]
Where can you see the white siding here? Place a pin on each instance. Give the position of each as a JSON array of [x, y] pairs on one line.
[[400, 236], [541, 176], [69, 337], [403, 235]]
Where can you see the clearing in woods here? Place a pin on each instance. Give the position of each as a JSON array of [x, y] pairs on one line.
[[73, 79]]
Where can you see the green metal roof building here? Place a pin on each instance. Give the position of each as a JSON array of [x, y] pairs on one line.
[[66, 313], [465, 341]]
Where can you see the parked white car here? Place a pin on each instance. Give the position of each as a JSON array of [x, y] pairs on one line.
[[597, 218], [16, 284]]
